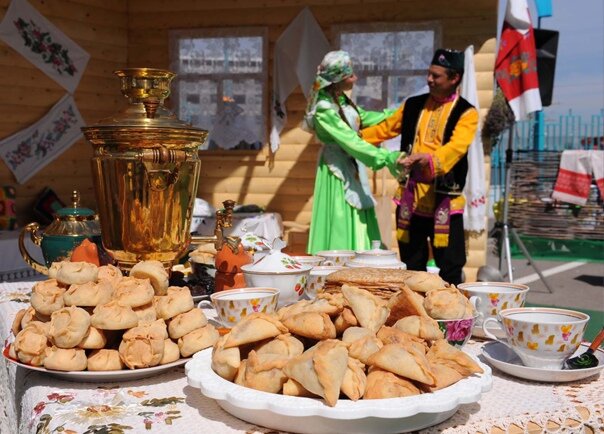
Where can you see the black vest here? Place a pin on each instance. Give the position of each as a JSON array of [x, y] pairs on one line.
[[453, 182]]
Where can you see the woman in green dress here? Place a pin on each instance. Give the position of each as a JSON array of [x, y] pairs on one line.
[[343, 213]]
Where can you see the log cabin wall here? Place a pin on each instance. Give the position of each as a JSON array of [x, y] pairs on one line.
[[135, 33], [101, 28]]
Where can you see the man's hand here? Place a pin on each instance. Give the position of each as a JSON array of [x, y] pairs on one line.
[[420, 161]]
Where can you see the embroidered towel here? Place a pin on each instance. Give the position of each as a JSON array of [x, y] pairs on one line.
[[575, 174]]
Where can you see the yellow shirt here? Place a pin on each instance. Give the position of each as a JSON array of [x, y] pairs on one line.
[[429, 140]]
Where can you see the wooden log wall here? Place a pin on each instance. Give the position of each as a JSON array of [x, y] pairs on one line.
[[101, 28], [135, 33]]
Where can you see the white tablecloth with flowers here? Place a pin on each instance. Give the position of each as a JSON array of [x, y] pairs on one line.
[[33, 402]]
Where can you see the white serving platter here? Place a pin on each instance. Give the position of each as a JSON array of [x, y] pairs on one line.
[[103, 376], [309, 415]]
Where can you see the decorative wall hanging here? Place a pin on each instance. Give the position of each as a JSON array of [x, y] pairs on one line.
[[298, 52], [29, 150], [43, 44], [475, 189]]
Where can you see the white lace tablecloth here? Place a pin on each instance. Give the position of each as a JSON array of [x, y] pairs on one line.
[[34, 402]]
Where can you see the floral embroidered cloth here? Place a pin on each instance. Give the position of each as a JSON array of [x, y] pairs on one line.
[[33, 402]]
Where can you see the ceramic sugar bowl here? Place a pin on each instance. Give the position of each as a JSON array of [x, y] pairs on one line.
[[70, 227], [376, 258], [281, 271]]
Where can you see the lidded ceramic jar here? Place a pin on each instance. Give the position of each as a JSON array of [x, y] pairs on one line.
[[146, 172], [71, 226], [376, 258], [281, 271]]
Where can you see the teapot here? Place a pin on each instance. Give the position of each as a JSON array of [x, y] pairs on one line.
[[71, 226]]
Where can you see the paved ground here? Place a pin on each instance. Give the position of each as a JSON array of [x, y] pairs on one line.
[[576, 285]]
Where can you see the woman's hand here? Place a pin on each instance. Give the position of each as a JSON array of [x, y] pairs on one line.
[[420, 161]]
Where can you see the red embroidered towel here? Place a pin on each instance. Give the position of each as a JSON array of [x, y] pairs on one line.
[[597, 165], [574, 177]]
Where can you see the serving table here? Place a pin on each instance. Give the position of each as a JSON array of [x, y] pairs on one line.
[[33, 402]]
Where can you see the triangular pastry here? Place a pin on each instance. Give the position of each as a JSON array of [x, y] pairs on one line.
[[313, 325], [253, 328], [370, 311], [420, 326], [403, 361]]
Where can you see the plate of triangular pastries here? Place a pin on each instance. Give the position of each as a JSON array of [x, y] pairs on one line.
[[333, 365], [91, 323]]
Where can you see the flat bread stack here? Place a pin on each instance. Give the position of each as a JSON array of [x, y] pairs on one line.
[[94, 318], [337, 346], [382, 282]]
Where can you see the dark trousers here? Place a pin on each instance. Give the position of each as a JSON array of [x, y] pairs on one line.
[[450, 259]]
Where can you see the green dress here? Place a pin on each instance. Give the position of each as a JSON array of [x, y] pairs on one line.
[[343, 212]]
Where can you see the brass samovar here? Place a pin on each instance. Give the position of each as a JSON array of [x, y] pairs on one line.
[[146, 171]]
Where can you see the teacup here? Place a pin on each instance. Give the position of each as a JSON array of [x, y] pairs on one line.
[[489, 298], [336, 257], [234, 304], [313, 261], [457, 331], [316, 280], [542, 337]]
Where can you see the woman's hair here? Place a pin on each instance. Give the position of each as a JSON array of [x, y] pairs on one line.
[[333, 93]]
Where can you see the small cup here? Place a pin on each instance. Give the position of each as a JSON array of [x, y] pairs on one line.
[[234, 304], [313, 261], [316, 280], [542, 337], [489, 298], [336, 257], [457, 331]]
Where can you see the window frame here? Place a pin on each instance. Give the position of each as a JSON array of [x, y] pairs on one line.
[[382, 27], [216, 32]]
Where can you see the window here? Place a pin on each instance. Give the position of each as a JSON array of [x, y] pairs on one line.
[[220, 84], [390, 60]]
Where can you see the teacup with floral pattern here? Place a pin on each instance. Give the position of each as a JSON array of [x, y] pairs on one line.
[[457, 331], [489, 298], [336, 257], [234, 304], [542, 337]]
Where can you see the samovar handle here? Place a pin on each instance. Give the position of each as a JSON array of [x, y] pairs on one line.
[[160, 179], [32, 229]]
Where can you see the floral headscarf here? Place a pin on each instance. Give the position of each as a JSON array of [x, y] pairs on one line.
[[335, 67]]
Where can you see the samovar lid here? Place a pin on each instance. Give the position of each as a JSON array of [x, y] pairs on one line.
[[145, 118]]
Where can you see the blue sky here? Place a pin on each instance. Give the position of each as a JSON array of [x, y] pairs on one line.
[[579, 79]]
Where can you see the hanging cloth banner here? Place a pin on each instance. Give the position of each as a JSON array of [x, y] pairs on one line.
[[43, 44], [29, 150], [516, 64], [298, 52], [476, 203]]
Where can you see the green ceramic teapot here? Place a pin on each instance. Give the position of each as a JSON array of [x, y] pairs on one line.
[[71, 226]]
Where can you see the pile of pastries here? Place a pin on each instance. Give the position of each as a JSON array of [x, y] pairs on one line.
[[405, 292], [94, 318], [338, 345]]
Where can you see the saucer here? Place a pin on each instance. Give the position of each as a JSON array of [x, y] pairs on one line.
[[504, 359]]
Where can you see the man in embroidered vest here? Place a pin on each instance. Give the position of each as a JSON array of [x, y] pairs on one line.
[[436, 130]]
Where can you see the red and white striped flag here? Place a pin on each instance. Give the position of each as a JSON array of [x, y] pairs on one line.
[[516, 64]]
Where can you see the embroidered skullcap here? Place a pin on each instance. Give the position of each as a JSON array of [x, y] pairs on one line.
[[451, 59], [335, 67]]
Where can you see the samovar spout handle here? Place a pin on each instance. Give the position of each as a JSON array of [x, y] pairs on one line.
[[229, 205]]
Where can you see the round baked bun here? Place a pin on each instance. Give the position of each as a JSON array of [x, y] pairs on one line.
[[133, 292], [89, 294], [178, 300], [65, 359], [113, 316], [109, 273], [155, 272], [184, 323], [47, 296], [30, 343], [105, 360], [68, 326], [171, 352], [143, 346], [198, 340], [68, 273], [94, 339]]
